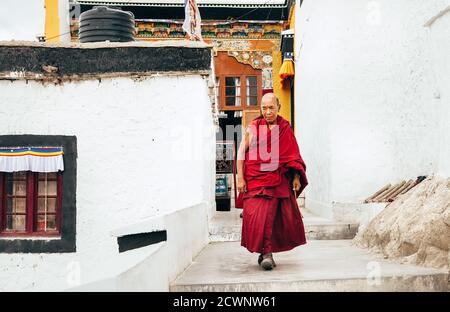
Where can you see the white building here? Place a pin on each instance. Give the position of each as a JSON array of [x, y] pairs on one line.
[[372, 96], [137, 183]]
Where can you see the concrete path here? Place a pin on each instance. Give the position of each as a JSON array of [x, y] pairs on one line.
[[320, 265]]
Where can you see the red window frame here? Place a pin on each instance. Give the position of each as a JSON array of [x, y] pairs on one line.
[[222, 97], [248, 95], [31, 207]]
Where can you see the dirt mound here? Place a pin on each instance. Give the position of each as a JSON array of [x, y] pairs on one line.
[[415, 228]]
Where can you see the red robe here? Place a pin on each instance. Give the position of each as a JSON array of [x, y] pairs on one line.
[[271, 218]]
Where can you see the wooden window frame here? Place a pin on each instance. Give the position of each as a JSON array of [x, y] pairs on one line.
[[226, 97], [32, 180], [258, 91], [243, 95], [66, 241]]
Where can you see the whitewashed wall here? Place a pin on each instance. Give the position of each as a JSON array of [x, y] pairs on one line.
[[22, 19], [145, 149], [367, 99], [439, 29], [65, 13]]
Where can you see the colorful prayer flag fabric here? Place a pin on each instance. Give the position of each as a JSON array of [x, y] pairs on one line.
[[35, 159], [192, 20]]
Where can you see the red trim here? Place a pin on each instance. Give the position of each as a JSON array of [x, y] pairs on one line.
[[32, 180], [2, 203], [26, 234], [35, 201], [59, 190], [30, 204]]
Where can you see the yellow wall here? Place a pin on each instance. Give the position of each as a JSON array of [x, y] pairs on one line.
[[292, 17], [284, 95], [52, 21]]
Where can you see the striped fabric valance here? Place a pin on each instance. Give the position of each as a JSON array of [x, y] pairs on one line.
[[36, 159]]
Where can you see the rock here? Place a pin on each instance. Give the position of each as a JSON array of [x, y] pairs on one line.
[[50, 69], [415, 228]]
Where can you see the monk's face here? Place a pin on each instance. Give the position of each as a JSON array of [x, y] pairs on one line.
[[269, 109]]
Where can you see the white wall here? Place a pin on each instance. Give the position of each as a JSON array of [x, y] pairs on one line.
[[152, 268], [143, 151], [65, 13], [22, 19], [439, 29], [367, 101]]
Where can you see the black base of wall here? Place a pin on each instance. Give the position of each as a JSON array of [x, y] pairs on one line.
[[67, 62]]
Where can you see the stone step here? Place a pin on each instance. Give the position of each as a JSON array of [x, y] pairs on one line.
[[320, 265], [226, 227]]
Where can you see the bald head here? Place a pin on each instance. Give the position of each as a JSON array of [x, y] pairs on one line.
[[270, 97], [270, 106]]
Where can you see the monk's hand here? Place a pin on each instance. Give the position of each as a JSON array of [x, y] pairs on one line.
[[241, 185], [296, 185]]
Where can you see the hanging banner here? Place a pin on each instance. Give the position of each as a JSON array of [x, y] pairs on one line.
[[192, 20], [35, 159]]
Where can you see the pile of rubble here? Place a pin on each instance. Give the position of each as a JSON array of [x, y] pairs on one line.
[[415, 228]]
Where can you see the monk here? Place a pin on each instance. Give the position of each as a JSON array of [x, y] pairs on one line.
[[270, 176]]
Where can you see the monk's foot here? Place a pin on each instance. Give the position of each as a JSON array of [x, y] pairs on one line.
[[260, 259], [267, 262]]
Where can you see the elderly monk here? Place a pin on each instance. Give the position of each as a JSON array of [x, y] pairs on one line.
[[271, 175]]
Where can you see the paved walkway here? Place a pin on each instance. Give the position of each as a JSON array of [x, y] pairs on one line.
[[320, 265]]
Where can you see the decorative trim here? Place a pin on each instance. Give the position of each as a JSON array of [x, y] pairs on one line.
[[256, 59], [181, 4], [34, 151], [35, 159], [172, 29]]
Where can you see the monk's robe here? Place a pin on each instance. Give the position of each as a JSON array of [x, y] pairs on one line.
[[271, 218]]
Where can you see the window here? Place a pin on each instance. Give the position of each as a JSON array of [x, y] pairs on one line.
[[218, 91], [232, 91], [252, 91], [38, 196], [30, 203], [238, 92]]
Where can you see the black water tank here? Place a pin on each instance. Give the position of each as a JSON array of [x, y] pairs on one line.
[[102, 23]]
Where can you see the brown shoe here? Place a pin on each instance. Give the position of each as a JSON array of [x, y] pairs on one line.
[[267, 262]]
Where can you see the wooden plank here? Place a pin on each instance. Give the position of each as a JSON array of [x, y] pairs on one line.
[[409, 187], [387, 186], [379, 197], [397, 192], [397, 186]]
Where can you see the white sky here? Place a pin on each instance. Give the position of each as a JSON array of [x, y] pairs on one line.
[[21, 19]]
